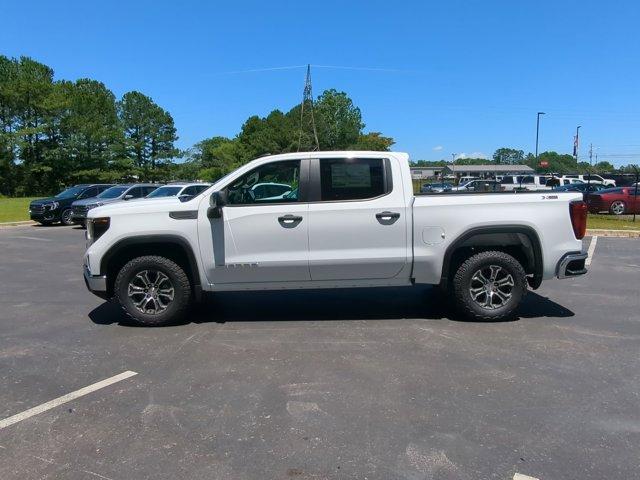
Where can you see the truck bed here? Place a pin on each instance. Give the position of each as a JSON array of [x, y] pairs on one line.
[[440, 219]]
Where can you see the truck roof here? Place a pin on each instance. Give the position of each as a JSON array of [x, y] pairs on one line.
[[337, 154]]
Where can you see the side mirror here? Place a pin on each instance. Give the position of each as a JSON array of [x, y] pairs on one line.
[[128, 197], [217, 200]]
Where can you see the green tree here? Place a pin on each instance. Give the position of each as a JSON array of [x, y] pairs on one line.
[[90, 131], [508, 156], [557, 163], [338, 120], [148, 130], [372, 141], [604, 167]]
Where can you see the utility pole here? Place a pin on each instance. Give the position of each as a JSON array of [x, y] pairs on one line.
[[538, 132], [307, 101]]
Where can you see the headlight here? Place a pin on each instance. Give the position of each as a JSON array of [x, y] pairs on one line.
[[53, 205], [93, 205], [96, 227]]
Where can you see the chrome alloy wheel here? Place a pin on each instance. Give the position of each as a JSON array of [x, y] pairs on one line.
[[491, 287], [151, 291], [617, 207]]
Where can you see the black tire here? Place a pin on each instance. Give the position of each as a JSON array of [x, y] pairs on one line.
[[129, 279], [65, 217], [497, 300]]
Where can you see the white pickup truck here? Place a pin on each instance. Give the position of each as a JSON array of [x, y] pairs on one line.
[[346, 219]]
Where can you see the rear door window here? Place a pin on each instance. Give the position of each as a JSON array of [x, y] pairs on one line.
[[351, 179], [89, 193], [135, 192]]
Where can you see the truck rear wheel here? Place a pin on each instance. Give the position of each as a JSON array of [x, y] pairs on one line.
[[489, 286], [153, 290]]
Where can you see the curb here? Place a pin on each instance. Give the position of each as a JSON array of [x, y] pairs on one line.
[[17, 224], [613, 233]]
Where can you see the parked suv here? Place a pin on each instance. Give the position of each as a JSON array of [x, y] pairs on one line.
[[58, 209], [182, 190], [116, 193]]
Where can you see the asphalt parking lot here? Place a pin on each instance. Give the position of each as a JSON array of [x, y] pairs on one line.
[[367, 383]]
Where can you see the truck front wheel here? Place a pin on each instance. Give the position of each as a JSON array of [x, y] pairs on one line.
[[489, 286], [153, 290]]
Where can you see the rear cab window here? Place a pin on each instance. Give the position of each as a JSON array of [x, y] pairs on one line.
[[353, 179]]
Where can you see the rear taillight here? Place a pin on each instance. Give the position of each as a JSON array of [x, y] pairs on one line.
[[578, 213]]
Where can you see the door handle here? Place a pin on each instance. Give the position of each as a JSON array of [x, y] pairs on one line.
[[387, 218], [387, 215], [289, 221]]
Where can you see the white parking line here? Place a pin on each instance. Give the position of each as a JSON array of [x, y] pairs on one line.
[[33, 238], [65, 398], [591, 250], [519, 476]]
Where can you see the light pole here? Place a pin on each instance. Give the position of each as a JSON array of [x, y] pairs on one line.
[[538, 131]]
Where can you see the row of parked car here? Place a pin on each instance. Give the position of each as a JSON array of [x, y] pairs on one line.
[[72, 204], [601, 195]]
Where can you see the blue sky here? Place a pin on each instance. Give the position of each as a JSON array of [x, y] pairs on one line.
[[465, 76]]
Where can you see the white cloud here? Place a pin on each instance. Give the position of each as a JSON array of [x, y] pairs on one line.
[[471, 155], [438, 148]]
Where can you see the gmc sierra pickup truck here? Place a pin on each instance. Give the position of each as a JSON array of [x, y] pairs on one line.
[[345, 219]]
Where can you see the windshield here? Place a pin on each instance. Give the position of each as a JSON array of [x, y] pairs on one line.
[[113, 192], [70, 192], [165, 192]]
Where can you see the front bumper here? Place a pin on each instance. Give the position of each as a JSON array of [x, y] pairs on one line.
[[46, 215], [97, 284], [572, 265]]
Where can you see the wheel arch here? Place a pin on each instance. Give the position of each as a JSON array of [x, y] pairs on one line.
[[173, 247], [520, 241]]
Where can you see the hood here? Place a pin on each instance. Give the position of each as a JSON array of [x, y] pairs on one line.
[[40, 201], [106, 201], [86, 201], [129, 207]]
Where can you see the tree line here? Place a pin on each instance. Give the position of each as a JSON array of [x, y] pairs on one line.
[[54, 133], [554, 162], [57, 132]]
